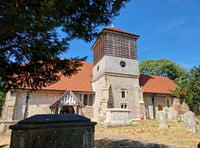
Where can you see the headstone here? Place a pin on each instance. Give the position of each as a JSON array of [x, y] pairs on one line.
[[53, 131], [176, 105], [198, 119], [189, 120], [184, 107], [162, 119], [2, 127], [174, 115]]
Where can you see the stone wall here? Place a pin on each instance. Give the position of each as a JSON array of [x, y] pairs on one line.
[[88, 111], [131, 87], [38, 103], [8, 108], [99, 97], [110, 64], [108, 94], [163, 102]]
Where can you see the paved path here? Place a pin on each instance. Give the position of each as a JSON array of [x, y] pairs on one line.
[[137, 142], [111, 136]]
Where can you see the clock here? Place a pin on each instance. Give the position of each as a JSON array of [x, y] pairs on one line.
[[122, 63]]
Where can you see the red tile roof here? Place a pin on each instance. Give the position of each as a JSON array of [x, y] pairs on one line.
[[156, 84], [121, 31], [78, 82], [82, 82]]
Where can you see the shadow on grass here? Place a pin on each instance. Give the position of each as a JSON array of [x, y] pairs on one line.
[[2, 146], [126, 143]]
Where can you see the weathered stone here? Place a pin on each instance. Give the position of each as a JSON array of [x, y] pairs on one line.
[[174, 115], [184, 107], [2, 126], [51, 131], [189, 120], [198, 119], [117, 117], [176, 105], [162, 119]]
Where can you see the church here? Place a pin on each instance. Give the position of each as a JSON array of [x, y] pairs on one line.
[[111, 84]]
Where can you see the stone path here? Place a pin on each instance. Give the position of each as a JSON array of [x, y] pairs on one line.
[[125, 142]]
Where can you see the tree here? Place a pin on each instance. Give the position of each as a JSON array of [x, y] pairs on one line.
[[191, 87], [30, 43], [164, 67], [2, 99]]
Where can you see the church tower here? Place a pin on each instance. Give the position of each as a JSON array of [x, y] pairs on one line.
[[116, 73]]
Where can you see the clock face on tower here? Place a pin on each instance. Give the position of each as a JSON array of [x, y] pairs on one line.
[[122, 63]]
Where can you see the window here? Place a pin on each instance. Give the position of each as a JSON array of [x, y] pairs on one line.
[[85, 100], [168, 103], [123, 105], [88, 99], [123, 94]]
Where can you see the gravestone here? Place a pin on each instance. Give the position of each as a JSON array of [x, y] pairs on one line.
[[174, 115], [198, 119], [53, 131], [162, 119], [189, 120], [184, 107], [176, 105]]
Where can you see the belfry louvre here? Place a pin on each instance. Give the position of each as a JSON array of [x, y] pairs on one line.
[[112, 44]]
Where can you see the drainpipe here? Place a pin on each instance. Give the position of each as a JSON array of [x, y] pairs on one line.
[[26, 105], [153, 103]]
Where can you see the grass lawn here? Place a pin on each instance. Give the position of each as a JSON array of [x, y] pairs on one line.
[[149, 130], [145, 130]]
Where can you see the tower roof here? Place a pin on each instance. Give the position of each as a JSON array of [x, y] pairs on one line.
[[120, 31], [117, 31]]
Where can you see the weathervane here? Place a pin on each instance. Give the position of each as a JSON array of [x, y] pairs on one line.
[[112, 25]]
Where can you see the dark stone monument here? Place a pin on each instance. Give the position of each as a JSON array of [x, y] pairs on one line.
[[53, 131], [198, 146]]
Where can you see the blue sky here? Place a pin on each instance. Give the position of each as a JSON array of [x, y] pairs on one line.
[[167, 28]]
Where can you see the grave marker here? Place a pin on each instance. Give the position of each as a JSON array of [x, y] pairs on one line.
[[189, 120], [174, 115], [162, 119]]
